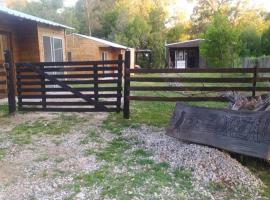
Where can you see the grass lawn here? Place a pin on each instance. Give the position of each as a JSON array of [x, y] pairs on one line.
[[127, 171], [159, 114]]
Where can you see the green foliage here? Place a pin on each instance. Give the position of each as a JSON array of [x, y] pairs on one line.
[[221, 46], [266, 42], [250, 42], [174, 33], [23, 133]]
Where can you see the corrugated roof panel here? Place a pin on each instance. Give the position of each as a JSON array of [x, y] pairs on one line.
[[108, 43], [187, 43], [22, 15]]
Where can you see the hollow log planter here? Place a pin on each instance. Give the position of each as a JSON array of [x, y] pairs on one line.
[[243, 132]]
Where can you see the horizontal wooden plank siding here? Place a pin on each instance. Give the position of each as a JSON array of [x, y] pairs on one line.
[[3, 83], [70, 86]]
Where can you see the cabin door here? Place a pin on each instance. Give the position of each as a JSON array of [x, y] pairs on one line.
[[4, 46]]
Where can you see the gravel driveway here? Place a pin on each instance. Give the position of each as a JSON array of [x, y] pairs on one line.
[[72, 156]]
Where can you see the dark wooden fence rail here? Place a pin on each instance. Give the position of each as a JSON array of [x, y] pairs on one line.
[[10, 82], [249, 83], [91, 86]]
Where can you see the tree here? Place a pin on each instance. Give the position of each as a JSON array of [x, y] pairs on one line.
[[250, 42], [53, 10], [266, 42], [174, 33], [89, 13], [222, 42], [205, 10]]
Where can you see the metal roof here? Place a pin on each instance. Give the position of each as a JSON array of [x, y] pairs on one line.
[[22, 15], [186, 44], [107, 43]]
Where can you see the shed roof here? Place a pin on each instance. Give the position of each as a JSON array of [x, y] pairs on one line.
[[107, 43], [22, 15], [186, 44]]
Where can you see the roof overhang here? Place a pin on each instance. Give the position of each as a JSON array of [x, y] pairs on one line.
[[186, 44], [24, 16], [104, 42]]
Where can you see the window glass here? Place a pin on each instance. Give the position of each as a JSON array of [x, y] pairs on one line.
[[48, 56], [57, 43], [104, 55]]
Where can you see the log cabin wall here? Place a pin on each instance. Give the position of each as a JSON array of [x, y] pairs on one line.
[[83, 49], [26, 40], [23, 40], [44, 30]]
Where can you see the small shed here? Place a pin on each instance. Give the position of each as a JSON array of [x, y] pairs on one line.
[[185, 54], [30, 39], [82, 47]]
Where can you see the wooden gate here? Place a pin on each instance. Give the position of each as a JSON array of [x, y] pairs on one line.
[[90, 86]]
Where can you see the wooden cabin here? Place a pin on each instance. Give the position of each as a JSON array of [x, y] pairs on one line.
[[82, 48], [185, 54], [30, 39]]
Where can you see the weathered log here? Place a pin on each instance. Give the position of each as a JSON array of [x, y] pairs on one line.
[[242, 132]]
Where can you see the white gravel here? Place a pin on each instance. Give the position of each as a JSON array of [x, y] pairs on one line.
[[207, 164]]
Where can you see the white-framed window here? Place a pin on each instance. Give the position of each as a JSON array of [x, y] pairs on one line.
[[104, 55], [53, 49], [53, 52]]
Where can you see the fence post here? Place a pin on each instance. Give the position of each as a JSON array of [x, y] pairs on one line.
[[10, 82], [43, 87], [96, 84], [255, 75], [127, 85], [119, 83]]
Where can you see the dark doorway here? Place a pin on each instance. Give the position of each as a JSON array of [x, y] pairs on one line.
[[191, 58]]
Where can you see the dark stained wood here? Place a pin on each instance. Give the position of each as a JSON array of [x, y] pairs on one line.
[[73, 103], [193, 80], [127, 86], [84, 89], [68, 110], [70, 76], [255, 74], [10, 83], [37, 91], [174, 99], [119, 83], [73, 63], [198, 70], [71, 82], [71, 69], [216, 89], [246, 133]]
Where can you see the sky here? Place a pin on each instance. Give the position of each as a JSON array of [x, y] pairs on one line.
[[188, 7]]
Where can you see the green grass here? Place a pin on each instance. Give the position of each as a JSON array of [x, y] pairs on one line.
[[3, 110], [139, 173], [2, 153], [23, 133], [159, 114]]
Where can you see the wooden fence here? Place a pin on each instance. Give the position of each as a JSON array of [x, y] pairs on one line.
[[250, 80], [90, 86]]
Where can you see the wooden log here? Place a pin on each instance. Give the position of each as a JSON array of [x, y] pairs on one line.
[[243, 132]]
